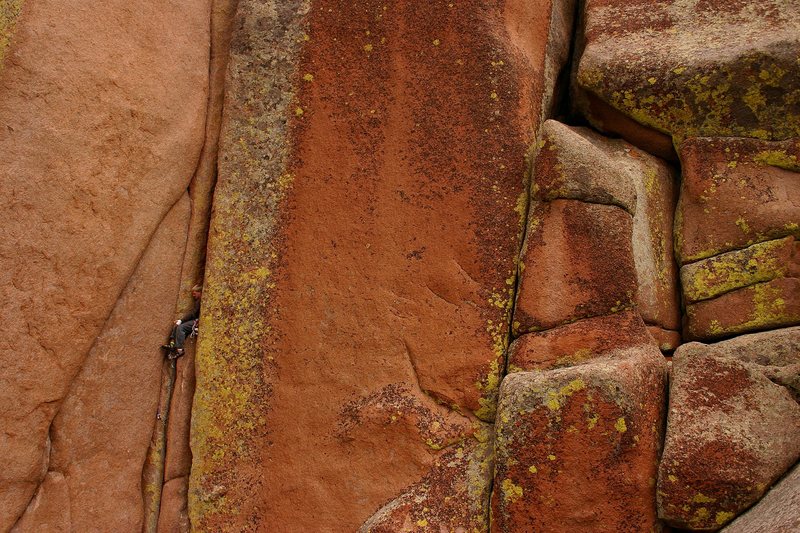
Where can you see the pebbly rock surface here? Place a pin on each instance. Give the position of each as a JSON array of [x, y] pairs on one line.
[[96, 148], [673, 67], [578, 447], [375, 150], [732, 428], [777, 511]]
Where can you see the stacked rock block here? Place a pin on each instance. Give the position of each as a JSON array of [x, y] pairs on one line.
[[581, 414], [733, 427], [666, 77]]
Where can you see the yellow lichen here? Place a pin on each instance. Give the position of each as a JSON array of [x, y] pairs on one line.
[[556, 398], [511, 492], [620, 425]]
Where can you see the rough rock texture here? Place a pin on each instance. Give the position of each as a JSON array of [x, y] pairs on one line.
[[9, 13], [584, 254], [733, 270], [772, 304], [575, 343], [577, 262], [376, 150], [577, 447], [777, 512], [94, 151], [731, 431], [734, 193], [454, 496], [672, 66]]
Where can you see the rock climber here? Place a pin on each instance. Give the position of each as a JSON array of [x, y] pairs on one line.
[[185, 326]]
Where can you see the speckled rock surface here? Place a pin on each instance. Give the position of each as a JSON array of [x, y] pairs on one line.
[[577, 262], [777, 512], [453, 496], [733, 270], [578, 342], [577, 447], [768, 305], [731, 431], [578, 164], [377, 151], [734, 193], [672, 66], [95, 150]]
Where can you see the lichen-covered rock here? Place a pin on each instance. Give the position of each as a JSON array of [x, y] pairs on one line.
[[453, 496], [577, 447], [673, 67], [577, 262], [778, 511], [733, 270], [579, 164], [735, 193], [95, 149], [731, 431], [772, 304], [575, 343], [576, 164], [363, 249]]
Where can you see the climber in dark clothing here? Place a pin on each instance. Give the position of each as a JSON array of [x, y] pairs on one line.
[[185, 326]]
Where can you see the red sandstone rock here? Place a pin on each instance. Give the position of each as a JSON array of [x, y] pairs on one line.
[[362, 251], [734, 193], [453, 496], [101, 433], [577, 447], [49, 510], [731, 432], [577, 262], [666, 340], [673, 66], [579, 164], [772, 304], [733, 270], [578, 342], [777, 511], [174, 516], [607, 119], [178, 460], [102, 108]]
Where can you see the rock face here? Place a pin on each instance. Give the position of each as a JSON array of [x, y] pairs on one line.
[[779, 510], [599, 233], [345, 167], [731, 431], [577, 447], [95, 150], [672, 67]]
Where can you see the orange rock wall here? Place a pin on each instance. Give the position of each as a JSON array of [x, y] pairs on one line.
[[362, 254]]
